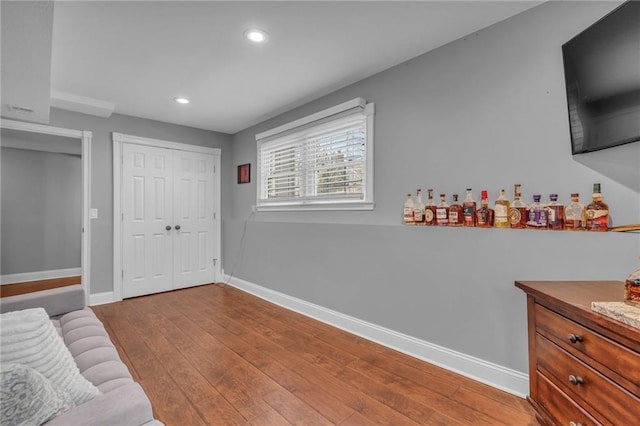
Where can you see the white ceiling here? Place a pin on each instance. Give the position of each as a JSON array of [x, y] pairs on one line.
[[140, 55]]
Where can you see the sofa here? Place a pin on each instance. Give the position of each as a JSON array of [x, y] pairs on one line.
[[120, 401]]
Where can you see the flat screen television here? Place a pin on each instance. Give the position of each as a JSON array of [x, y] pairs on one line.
[[602, 77]]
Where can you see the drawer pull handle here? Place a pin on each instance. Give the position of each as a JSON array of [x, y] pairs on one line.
[[573, 338], [575, 424], [576, 380]]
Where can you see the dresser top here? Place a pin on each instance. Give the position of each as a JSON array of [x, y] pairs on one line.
[[573, 300]]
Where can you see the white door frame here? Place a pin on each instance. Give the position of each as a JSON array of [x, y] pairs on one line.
[[118, 140], [84, 137]]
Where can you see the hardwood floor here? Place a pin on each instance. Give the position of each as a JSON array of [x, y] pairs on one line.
[[7, 290], [216, 355]]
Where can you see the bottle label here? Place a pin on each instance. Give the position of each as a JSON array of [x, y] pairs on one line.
[[597, 220], [467, 213], [514, 216], [428, 216], [501, 214], [595, 214], [537, 218], [453, 217], [408, 215], [441, 216], [418, 215]]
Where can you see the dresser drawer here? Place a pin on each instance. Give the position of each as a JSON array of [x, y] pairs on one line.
[[559, 405], [611, 359], [606, 401]]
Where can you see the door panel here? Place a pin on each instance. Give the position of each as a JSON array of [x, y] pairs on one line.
[[194, 212], [147, 198]]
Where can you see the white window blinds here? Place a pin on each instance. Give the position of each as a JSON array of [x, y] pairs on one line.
[[318, 162]]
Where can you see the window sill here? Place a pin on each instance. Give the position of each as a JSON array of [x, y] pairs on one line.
[[361, 205]]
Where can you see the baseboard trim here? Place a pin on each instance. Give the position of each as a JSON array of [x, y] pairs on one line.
[[101, 298], [39, 275], [492, 374]]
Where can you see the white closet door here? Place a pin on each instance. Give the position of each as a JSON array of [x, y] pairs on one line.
[[194, 220], [147, 207]]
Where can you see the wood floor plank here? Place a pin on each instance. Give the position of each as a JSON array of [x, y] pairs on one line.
[[218, 356]]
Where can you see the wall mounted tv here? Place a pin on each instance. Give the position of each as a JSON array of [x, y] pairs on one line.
[[602, 76]]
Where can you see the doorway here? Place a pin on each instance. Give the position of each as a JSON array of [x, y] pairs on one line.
[[46, 229], [166, 221]]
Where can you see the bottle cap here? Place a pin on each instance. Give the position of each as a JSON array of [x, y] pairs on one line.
[[553, 197], [469, 189], [574, 195], [483, 193], [596, 188], [536, 198]]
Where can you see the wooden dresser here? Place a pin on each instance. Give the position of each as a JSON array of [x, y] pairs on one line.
[[584, 368]]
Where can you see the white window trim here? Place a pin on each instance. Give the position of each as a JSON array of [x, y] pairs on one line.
[[323, 205]]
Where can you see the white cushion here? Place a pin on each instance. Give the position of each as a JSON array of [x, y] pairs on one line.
[[29, 398], [28, 337]]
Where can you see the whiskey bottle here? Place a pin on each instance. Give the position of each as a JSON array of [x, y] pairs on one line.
[[518, 209], [501, 211], [485, 214], [408, 218], [430, 210], [536, 214], [455, 212], [442, 212], [469, 209], [418, 209], [575, 215], [555, 213], [597, 212]]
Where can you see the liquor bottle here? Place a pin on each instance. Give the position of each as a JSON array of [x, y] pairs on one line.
[[455, 212], [485, 214], [501, 211], [418, 209], [408, 218], [518, 209], [442, 212], [575, 215], [430, 210], [469, 209], [555, 213], [536, 214], [597, 212]]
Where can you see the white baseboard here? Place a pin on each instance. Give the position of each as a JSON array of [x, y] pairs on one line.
[[39, 275], [495, 375], [101, 298]]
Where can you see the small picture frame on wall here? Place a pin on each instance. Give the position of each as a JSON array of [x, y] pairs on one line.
[[244, 173]]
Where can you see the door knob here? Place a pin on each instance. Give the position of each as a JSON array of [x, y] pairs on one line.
[[168, 227], [177, 227]]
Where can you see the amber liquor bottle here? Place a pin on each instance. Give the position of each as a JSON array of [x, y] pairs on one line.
[[418, 209], [469, 209], [555, 213], [407, 216], [442, 212], [575, 215], [485, 214], [517, 210], [455, 212], [430, 210], [597, 212], [502, 211]]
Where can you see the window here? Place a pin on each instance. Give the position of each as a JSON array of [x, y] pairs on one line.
[[320, 162]]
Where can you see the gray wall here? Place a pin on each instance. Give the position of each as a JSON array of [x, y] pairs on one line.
[[41, 211], [102, 174], [486, 111]]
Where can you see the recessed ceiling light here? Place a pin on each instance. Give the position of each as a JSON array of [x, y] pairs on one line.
[[257, 36], [181, 100]]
